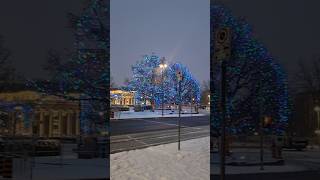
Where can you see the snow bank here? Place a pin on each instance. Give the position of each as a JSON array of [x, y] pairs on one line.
[[157, 113], [164, 162]]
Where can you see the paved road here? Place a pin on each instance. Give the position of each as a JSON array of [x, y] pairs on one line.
[[305, 163], [129, 126], [140, 133], [308, 158], [307, 175]]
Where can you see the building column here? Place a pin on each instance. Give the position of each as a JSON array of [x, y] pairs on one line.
[[77, 123], [69, 123], [60, 112], [41, 123], [11, 123], [51, 113]]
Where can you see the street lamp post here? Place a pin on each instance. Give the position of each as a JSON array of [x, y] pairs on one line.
[[179, 131], [191, 100], [317, 131], [317, 110], [153, 87], [162, 67]]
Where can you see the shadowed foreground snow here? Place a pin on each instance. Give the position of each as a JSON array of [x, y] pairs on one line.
[[164, 162]]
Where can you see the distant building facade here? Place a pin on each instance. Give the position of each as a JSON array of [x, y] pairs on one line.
[[122, 97], [49, 116], [303, 121]]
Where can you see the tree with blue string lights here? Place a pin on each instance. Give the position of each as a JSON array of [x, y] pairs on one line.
[[256, 83], [156, 84], [144, 80], [190, 87], [86, 72]]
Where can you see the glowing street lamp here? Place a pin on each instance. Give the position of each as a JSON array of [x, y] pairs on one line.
[[162, 66]]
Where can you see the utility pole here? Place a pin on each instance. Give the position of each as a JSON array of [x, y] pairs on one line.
[[80, 143], [261, 125], [223, 120], [162, 87], [222, 53], [191, 103], [180, 78]]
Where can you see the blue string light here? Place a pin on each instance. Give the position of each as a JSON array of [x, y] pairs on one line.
[[253, 77]]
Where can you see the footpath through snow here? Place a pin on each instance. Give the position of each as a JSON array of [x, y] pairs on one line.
[[164, 162]]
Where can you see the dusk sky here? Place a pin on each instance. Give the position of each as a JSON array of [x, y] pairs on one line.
[[288, 28], [30, 28], [178, 30], [175, 29]]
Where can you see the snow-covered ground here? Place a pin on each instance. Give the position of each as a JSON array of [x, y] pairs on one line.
[[63, 167], [157, 113], [164, 162]]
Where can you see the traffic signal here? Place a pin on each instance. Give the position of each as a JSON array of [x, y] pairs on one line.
[[267, 121]]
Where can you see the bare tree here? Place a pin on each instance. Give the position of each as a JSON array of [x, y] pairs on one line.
[[112, 83], [308, 79], [7, 71], [205, 91]]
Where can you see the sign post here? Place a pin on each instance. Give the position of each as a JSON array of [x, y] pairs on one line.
[[180, 78], [317, 110], [222, 52], [317, 131]]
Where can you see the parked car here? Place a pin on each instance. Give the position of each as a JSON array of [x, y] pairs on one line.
[[138, 108], [298, 143], [1, 144], [48, 148], [88, 148]]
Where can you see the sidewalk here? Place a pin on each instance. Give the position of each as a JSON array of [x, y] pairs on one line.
[[247, 161], [65, 167], [246, 157], [54, 169], [164, 162]]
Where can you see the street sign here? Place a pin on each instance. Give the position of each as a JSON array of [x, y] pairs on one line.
[[179, 75], [222, 44]]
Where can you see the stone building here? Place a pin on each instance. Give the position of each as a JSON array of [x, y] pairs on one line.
[[303, 121], [122, 97], [48, 116]]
